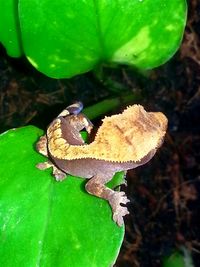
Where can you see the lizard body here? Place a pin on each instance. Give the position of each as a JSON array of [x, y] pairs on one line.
[[124, 141]]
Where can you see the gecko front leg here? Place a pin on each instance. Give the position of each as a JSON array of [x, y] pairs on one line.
[[96, 186]]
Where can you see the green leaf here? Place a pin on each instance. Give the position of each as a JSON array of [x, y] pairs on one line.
[[9, 27], [65, 38], [49, 223], [176, 259], [181, 257]]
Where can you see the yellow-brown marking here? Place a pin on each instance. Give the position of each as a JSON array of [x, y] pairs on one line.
[[55, 141], [129, 136]]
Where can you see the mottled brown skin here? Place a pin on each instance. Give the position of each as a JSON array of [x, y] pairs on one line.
[[123, 142]]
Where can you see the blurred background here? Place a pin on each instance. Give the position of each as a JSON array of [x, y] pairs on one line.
[[165, 193]]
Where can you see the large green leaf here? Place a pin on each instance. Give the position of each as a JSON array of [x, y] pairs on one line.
[[64, 38], [49, 223], [9, 27]]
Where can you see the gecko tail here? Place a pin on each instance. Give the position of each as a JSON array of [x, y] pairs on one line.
[[74, 109]]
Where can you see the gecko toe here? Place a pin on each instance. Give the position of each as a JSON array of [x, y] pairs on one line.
[[119, 211], [122, 198], [58, 174], [43, 165], [119, 214]]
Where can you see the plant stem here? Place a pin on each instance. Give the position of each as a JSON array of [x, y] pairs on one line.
[[107, 105]]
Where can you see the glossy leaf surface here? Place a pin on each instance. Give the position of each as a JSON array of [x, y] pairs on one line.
[[49, 223], [9, 27], [66, 38]]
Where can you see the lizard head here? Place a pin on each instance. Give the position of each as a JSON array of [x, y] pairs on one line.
[[133, 134], [160, 121]]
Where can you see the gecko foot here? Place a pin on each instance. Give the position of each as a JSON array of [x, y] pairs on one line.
[[57, 173], [44, 165], [118, 210]]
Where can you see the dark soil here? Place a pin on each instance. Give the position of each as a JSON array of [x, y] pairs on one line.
[[165, 193]]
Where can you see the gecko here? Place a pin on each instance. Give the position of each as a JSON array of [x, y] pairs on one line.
[[124, 141]]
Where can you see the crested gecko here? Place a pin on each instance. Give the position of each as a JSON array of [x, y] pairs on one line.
[[123, 141]]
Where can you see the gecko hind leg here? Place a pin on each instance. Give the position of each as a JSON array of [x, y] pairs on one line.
[[41, 145], [96, 186], [57, 173]]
